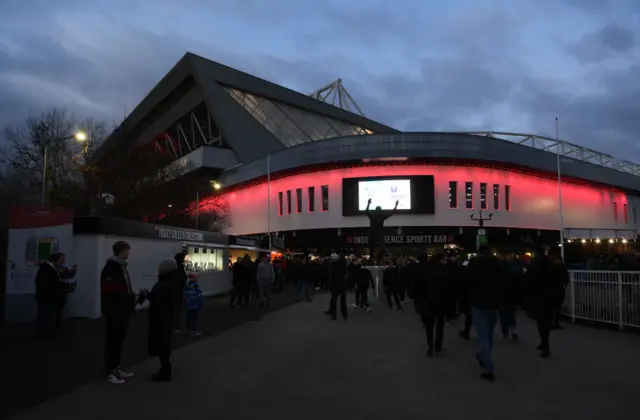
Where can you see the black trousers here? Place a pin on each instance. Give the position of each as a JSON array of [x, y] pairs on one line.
[[241, 294], [362, 296], [45, 322], [396, 297], [544, 321], [115, 333], [333, 306], [468, 320], [433, 321], [165, 363]]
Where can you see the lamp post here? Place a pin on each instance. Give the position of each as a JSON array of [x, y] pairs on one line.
[[79, 136], [216, 186], [482, 235], [480, 218], [561, 213]]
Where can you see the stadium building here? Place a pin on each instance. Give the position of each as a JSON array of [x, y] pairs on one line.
[[304, 166]]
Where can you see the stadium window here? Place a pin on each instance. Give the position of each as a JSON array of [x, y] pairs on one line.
[[299, 200], [496, 196], [468, 195], [615, 211], [288, 201], [507, 197], [280, 204], [453, 194], [483, 195], [312, 199], [625, 212], [325, 197]]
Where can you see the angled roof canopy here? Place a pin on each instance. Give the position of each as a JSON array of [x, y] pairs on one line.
[[255, 117]]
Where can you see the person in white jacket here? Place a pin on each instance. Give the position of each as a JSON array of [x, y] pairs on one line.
[[265, 277]]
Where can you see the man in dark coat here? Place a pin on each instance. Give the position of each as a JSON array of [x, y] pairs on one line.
[[363, 280], [181, 279], [118, 303], [391, 284], [545, 287], [487, 280], [338, 286], [433, 294], [162, 303], [49, 288]]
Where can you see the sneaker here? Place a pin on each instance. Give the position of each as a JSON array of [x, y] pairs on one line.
[[114, 380], [487, 376], [368, 309], [123, 375], [196, 333], [355, 305]]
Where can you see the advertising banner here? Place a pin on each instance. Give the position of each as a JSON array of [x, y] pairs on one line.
[[34, 235]]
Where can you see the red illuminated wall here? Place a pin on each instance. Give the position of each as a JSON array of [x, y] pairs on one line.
[[533, 201]]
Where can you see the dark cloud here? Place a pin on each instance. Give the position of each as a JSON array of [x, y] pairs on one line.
[[606, 43], [466, 70]]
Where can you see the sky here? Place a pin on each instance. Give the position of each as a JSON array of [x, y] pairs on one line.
[[500, 65]]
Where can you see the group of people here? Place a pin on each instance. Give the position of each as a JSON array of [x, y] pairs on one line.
[[174, 299], [485, 290]]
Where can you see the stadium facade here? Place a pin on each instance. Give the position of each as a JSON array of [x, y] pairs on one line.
[[292, 164]]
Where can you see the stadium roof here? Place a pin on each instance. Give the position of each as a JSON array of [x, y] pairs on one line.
[[231, 98]]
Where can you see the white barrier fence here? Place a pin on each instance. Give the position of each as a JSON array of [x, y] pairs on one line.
[[611, 297]]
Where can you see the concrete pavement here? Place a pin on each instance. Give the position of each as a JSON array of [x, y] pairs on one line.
[[296, 363]]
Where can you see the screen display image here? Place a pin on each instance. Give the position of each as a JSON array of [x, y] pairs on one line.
[[384, 193]]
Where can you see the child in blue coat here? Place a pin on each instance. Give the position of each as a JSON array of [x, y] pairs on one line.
[[193, 301]]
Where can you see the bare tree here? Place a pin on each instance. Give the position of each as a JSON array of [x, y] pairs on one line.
[[145, 184]]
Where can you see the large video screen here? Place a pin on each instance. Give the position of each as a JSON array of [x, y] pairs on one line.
[[384, 193], [415, 194]]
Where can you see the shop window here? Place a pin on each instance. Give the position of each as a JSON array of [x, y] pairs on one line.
[[280, 204], [496, 196], [289, 204], [453, 194], [312, 199], [483, 195], [325, 197], [507, 197], [615, 211], [625, 213], [468, 195], [299, 200], [205, 259]]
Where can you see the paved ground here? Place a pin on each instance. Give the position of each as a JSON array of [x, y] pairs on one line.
[[33, 371], [297, 364]]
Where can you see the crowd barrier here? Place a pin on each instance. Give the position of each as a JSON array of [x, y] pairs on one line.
[[611, 297]]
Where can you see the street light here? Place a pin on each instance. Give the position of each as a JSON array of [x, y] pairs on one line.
[[79, 136]]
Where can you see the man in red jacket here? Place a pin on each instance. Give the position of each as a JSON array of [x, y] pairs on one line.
[[118, 303]]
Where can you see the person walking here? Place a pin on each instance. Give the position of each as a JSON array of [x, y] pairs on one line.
[[338, 286], [303, 274], [512, 298], [363, 280], [265, 276], [391, 284], [181, 281], [486, 293], [237, 274], [545, 287], [162, 304], [118, 303], [434, 297]]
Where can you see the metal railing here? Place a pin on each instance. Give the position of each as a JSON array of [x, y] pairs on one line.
[[611, 297]]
